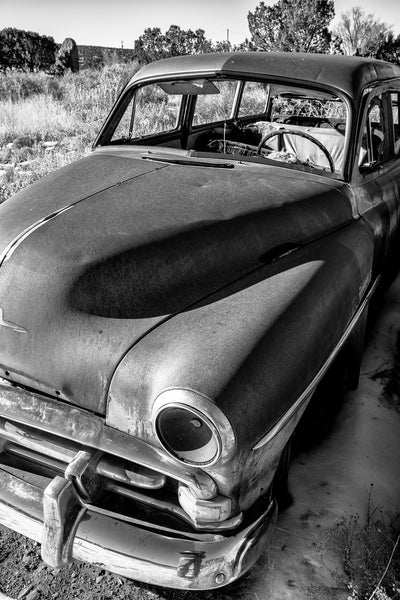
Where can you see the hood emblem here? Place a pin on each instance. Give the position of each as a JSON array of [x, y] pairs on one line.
[[13, 326]]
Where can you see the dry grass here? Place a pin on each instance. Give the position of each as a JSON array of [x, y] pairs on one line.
[[40, 117], [371, 555], [36, 109], [18, 173]]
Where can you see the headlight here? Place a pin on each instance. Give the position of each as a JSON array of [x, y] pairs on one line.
[[188, 435], [191, 427]]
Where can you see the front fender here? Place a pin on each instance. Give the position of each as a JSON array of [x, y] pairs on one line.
[[251, 348]]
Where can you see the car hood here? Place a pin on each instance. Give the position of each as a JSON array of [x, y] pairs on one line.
[[99, 253]]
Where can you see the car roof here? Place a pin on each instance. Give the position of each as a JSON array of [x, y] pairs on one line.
[[349, 74]]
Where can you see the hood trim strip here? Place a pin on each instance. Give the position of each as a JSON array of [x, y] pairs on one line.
[[13, 245]]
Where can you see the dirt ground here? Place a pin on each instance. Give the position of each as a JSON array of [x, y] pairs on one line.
[[355, 467]]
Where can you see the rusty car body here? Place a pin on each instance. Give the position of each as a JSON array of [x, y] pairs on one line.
[[170, 304]]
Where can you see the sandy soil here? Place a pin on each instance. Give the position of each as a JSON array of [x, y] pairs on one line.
[[353, 471]]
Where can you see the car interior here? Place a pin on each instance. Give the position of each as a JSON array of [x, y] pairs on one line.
[[240, 118]]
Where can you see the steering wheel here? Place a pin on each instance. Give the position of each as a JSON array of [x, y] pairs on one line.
[[307, 136]]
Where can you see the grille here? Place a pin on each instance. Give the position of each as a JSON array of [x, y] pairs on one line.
[[104, 483], [130, 491]]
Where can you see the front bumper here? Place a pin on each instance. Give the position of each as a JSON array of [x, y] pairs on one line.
[[67, 528], [64, 483]]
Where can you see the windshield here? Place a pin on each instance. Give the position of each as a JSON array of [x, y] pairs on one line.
[[250, 120]]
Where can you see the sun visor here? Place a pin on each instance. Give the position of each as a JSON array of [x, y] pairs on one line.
[[193, 87], [288, 91]]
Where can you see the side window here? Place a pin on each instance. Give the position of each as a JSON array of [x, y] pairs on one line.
[[373, 140], [254, 98], [394, 103]]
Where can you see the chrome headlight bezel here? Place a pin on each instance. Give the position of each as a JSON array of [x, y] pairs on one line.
[[201, 407]]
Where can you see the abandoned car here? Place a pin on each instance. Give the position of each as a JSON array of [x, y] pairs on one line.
[[170, 304]]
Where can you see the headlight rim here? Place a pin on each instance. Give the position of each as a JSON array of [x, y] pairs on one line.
[[204, 408], [199, 415]]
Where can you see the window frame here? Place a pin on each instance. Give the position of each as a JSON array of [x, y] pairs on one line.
[[389, 155]]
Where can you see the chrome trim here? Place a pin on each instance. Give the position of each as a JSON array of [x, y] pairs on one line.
[[61, 452], [313, 384], [196, 413], [23, 442], [81, 471], [62, 513], [159, 558], [10, 325], [115, 476], [193, 400], [142, 478], [89, 430], [114, 482], [172, 508], [17, 241], [139, 522], [35, 457]]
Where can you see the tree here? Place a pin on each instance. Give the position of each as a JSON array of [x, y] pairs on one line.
[[360, 33], [292, 25], [26, 50], [390, 49], [39, 51], [154, 45], [245, 46], [12, 44], [46, 51]]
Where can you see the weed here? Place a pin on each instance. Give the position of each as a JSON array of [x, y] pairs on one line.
[[371, 555]]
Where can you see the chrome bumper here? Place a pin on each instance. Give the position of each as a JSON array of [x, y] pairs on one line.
[[67, 529]]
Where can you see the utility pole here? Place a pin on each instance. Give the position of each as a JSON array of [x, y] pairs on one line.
[[227, 35]]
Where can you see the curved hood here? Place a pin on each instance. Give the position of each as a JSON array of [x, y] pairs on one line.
[[99, 253]]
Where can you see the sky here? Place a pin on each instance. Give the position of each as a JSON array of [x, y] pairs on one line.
[[119, 22]]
